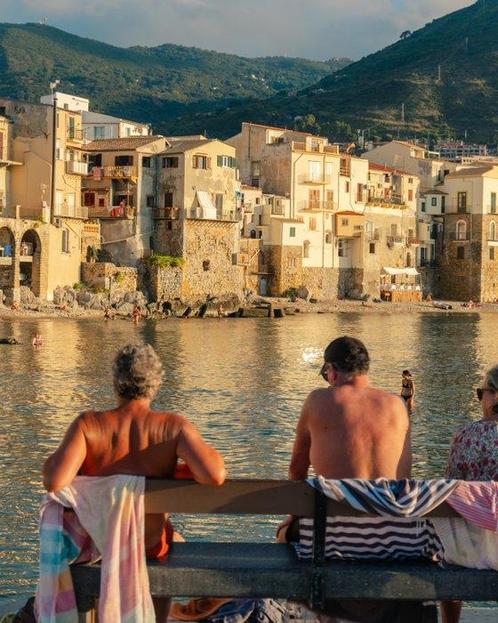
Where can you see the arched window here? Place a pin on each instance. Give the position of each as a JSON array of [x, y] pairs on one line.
[[492, 230], [461, 230], [306, 248]]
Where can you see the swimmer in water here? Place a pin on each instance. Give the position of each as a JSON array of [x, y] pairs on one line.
[[37, 340], [407, 389]]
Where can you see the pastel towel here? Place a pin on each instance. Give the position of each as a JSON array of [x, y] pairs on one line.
[[110, 511]]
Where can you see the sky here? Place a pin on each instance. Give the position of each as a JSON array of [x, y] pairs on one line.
[[316, 29]]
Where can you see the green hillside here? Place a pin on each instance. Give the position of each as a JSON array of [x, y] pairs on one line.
[[461, 48], [147, 84]]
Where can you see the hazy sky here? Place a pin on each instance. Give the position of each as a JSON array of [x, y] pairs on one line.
[[310, 28]]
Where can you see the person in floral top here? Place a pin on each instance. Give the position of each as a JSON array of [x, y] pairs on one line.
[[474, 451], [474, 456]]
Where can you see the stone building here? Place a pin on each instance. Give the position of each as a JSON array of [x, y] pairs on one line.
[[469, 260], [42, 244], [197, 216], [121, 191]]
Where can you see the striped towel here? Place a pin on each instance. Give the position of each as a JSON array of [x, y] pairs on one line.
[[477, 502], [396, 532], [109, 518]]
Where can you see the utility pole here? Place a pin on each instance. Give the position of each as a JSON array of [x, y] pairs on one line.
[[403, 112], [53, 86]]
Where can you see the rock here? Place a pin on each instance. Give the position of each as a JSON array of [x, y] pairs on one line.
[[313, 301], [58, 296], [27, 296], [303, 293], [125, 309], [97, 302], [84, 297]]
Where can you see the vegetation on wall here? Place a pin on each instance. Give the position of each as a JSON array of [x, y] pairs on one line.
[[164, 261]]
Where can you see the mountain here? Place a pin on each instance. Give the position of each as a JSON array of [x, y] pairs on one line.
[[445, 74], [148, 84]]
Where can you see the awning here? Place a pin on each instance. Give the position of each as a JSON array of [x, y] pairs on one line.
[[207, 206], [400, 271]]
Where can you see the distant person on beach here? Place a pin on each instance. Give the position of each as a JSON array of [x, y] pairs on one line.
[[108, 313], [407, 389], [133, 439], [37, 340], [136, 314], [474, 455]]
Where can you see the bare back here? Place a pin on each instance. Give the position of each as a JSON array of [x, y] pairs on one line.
[[352, 432]]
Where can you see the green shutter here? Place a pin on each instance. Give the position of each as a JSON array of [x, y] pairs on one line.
[[220, 161]]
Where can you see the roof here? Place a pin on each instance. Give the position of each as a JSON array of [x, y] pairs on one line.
[[432, 191], [349, 213], [412, 145], [471, 171], [381, 167], [271, 127], [400, 271], [118, 144], [182, 146]]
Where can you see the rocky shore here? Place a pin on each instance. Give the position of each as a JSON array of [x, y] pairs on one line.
[[83, 303]]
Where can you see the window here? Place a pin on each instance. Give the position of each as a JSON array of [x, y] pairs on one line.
[[443, 204], [306, 248], [292, 232], [460, 253], [206, 264], [347, 186], [492, 207], [359, 192], [312, 224], [410, 194], [59, 152], [328, 238], [434, 202], [168, 200], [101, 202], [88, 199], [226, 161], [461, 230], [462, 202], [315, 171], [201, 162], [65, 240], [170, 162], [422, 206], [98, 131], [71, 126], [371, 248], [123, 161], [491, 253], [492, 230], [59, 200], [71, 203], [150, 201], [94, 160], [341, 249], [410, 180], [146, 162]]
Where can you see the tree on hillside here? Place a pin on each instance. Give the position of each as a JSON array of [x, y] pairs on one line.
[[405, 34]]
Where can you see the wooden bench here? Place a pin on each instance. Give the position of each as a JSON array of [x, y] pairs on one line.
[[262, 570]]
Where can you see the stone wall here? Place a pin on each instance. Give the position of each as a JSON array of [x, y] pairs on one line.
[[286, 268], [168, 237], [210, 268], [328, 284], [164, 284], [105, 276], [252, 258]]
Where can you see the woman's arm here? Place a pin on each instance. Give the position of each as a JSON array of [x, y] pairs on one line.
[[63, 465]]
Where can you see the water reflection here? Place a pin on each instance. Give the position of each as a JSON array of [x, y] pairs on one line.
[[241, 381]]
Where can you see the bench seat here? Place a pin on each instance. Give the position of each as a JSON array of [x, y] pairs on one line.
[[273, 570]]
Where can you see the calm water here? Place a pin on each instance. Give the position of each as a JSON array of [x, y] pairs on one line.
[[241, 381]]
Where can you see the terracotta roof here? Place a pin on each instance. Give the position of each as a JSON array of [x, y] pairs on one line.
[[381, 167], [472, 171], [413, 145], [249, 187], [118, 144], [182, 146], [271, 127]]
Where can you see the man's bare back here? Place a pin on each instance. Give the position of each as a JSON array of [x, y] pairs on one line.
[[351, 430], [132, 439]]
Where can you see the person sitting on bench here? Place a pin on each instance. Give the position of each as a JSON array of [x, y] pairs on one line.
[[133, 439]]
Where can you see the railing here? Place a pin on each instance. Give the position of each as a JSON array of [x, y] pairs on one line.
[[169, 214], [316, 206], [312, 178], [71, 212], [75, 134], [413, 241], [379, 201], [127, 171], [392, 240], [459, 236], [73, 167]]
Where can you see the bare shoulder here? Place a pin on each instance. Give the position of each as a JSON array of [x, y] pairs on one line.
[[317, 396], [391, 403], [172, 423]]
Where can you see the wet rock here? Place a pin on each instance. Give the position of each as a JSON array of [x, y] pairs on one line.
[[125, 309], [84, 297]]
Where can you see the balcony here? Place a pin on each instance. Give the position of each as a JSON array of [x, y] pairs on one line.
[[312, 178], [392, 240], [413, 241], [73, 167], [120, 172], [386, 202], [168, 214], [75, 135], [372, 235], [316, 206], [71, 211]]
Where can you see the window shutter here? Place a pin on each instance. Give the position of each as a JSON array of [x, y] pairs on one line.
[[219, 161]]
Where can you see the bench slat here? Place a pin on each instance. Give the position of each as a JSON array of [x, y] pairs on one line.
[[246, 497], [273, 570]]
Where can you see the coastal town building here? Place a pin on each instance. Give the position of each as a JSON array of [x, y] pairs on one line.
[[197, 214], [44, 239], [469, 261], [121, 191], [456, 151]]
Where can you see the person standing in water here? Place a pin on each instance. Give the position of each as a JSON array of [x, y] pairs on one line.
[[407, 389]]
